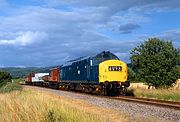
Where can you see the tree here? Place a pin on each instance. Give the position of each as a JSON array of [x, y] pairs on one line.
[[4, 77], [131, 75], [155, 62]]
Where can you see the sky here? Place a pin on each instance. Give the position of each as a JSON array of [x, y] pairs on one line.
[[51, 32]]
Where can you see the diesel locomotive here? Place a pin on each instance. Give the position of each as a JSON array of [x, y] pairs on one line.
[[102, 74]]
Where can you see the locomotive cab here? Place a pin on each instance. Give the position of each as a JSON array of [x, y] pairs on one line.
[[113, 77]]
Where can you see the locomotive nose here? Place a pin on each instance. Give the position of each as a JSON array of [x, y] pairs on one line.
[[112, 70]]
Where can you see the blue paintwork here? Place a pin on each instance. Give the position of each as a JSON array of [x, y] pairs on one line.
[[85, 69]]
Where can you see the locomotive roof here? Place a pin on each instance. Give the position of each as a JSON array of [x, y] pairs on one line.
[[79, 59], [76, 60], [86, 57]]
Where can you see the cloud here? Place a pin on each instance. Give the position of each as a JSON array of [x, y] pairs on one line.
[[170, 34], [119, 5], [173, 35], [45, 35], [25, 38], [128, 28]]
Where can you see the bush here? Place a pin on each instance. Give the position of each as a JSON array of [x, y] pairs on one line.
[[156, 62], [5, 83], [4, 78], [8, 87]]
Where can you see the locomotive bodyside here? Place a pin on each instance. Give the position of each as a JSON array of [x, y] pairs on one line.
[[82, 71]]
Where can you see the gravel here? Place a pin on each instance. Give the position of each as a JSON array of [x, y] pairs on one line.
[[130, 108]]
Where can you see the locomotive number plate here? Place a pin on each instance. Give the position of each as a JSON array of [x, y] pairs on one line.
[[115, 68]]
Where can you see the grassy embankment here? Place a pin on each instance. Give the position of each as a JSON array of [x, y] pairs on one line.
[[30, 105], [172, 94]]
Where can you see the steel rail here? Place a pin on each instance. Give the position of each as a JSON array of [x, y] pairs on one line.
[[155, 102]]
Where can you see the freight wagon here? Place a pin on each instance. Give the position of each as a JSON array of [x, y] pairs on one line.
[[35, 78]]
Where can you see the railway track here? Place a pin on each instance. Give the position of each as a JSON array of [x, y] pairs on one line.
[[160, 103]]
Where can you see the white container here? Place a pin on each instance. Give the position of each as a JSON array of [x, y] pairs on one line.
[[38, 77]]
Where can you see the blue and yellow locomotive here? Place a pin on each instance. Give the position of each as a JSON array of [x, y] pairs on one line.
[[103, 74]]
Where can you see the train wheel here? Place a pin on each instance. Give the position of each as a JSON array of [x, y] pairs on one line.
[[67, 87], [105, 87], [57, 86], [106, 91], [41, 84], [123, 91], [90, 89]]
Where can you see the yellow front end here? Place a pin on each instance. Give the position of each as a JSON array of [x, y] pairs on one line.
[[112, 70]]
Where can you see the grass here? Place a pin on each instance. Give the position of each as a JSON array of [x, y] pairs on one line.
[[22, 104], [162, 94], [29, 105], [9, 87], [19, 80]]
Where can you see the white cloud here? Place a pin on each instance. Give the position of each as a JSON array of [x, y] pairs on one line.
[[25, 38], [170, 34], [119, 5], [173, 35], [70, 34]]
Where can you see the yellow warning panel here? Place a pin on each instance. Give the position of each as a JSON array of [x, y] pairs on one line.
[[113, 70]]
